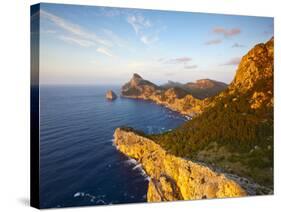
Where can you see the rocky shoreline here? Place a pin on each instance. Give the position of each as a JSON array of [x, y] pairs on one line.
[[244, 108], [171, 177], [177, 99]]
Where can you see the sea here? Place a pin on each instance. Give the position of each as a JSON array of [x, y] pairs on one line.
[[79, 164]]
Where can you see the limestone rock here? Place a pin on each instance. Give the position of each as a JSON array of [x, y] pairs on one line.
[[174, 178], [110, 95], [175, 98]]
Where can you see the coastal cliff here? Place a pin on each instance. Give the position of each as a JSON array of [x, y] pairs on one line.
[[235, 130], [171, 177], [232, 132], [188, 99]]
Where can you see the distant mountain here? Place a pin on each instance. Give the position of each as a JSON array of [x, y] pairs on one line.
[[175, 98], [172, 84], [231, 131], [205, 88], [184, 98], [137, 86]]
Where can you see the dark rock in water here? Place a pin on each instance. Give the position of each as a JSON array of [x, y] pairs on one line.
[[111, 95]]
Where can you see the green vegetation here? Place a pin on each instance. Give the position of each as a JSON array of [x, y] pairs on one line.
[[230, 135]]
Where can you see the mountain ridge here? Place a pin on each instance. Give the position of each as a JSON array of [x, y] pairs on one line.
[[232, 130], [188, 99]]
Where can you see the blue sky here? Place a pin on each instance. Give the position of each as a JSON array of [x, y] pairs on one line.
[[101, 45]]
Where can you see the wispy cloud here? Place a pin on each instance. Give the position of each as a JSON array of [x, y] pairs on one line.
[[48, 31], [238, 45], [213, 42], [190, 67], [114, 38], [184, 61], [234, 61], [110, 12], [104, 51], [80, 42], [226, 32], [143, 28], [138, 22], [179, 60], [74, 29]]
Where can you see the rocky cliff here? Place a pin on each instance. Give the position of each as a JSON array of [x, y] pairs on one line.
[[138, 87], [254, 74], [171, 177], [235, 130], [183, 99], [233, 134]]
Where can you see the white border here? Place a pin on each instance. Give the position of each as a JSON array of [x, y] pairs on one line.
[[14, 93]]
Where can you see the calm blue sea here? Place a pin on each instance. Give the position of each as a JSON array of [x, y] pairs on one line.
[[79, 164]]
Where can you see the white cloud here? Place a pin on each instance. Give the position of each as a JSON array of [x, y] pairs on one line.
[[48, 31], [143, 29], [138, 22], [80, 42], [114, 38], [104, 51], [74, 29]]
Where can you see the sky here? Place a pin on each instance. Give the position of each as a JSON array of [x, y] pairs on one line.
[[91, 45]]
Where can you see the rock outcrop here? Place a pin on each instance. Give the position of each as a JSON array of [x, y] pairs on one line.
[[175, 98], [256, 65], [171, 177], [110, 95], [234, 134]]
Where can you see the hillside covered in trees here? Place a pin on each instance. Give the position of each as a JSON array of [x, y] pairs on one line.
[[235, 130]]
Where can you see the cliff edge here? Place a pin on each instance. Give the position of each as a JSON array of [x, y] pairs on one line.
[[171, 177]]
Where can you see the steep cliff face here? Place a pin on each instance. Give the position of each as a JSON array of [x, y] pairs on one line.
[[177, 98], [171, 177], [233, 131], [255, 66], [137, 87]]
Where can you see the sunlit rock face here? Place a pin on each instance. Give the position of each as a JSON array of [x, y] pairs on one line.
[[255, 75], [175, 98], [110, 95], [174, 178], [255, 66], [137, 87], [255, 72]]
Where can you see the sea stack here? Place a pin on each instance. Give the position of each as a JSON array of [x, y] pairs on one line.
[[110, 95]]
